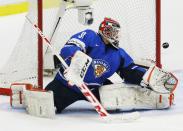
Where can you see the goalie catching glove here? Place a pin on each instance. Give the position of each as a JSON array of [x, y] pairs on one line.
[[159, 80], [36, 101]]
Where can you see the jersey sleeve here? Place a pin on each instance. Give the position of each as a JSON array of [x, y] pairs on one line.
[[80, 41], [129, 71]]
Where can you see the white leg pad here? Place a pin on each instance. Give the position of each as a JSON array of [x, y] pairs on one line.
[[128, 97], [17, 97], [40, 104]]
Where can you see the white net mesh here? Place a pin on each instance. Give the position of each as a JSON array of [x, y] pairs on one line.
[[138, 36], [138, 24], [23, 60], [22, 65]]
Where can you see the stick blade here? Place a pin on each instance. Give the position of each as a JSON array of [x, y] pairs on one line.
[[126, 117]]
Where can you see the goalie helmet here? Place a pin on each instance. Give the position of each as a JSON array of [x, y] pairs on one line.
[[110, 29]]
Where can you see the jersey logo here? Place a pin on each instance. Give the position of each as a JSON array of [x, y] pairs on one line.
[[100, 67]]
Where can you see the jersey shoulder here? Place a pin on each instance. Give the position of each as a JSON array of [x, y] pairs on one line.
[[85, 34], [122, 52], [88, 37], [90, 32], [125, 57]]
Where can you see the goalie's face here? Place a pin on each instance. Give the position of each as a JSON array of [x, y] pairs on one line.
[[110, 31]]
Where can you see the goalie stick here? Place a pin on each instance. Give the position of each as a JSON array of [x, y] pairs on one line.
[[60, 14], [86, 91]]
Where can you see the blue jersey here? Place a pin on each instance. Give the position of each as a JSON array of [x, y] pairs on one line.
[[106, 60]]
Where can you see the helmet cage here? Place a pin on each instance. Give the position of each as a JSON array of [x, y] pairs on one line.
[[110, 30]]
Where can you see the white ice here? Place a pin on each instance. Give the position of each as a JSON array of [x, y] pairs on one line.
[[81, 115]]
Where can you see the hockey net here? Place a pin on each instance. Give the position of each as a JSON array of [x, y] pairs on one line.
[[140, 35]]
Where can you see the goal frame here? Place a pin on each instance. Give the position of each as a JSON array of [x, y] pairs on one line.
[[158, 33], [6, 91]]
